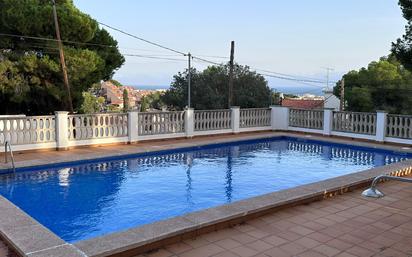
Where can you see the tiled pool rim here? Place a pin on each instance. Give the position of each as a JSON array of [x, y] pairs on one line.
[[29, 238]]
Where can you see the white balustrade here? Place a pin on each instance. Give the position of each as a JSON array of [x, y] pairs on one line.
[[355, 122], [157, 123], [212, 120], [63, 131], [303, 118], [27, 130], [399, 126], [97, 126], [258, 117]]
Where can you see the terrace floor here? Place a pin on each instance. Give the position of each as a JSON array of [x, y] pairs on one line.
[[345, 226]]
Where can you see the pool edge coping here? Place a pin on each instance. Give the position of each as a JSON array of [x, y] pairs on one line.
[[28, 237]]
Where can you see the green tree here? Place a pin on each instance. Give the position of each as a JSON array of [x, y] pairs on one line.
[[383, 85], [91, 103], [31, 80], [153, 101], [125, 100], [402, 48], [209, 89]]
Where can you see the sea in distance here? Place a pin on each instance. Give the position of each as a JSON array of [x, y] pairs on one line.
[[284, 89]]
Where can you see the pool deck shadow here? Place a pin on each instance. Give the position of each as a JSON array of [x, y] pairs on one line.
[[29, 238]]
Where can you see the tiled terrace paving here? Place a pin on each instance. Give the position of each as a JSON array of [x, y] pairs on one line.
[[345, 226]]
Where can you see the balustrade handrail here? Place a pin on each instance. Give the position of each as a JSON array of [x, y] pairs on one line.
[[97, 114], [160, 112], [400, 115], [254, 109], [303, 109], [349, 112], [215, 110], [27, 117]]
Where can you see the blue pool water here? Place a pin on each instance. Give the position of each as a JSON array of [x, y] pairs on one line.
[[81, 201]]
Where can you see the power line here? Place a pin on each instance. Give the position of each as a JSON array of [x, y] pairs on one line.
[[142, 39], [76, 42], [292, 76], [213, 56], [154, 57], [272, 75], [290, 79]]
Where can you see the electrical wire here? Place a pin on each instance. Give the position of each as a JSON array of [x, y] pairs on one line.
[[141, 39], [76, 42], [272, 75], [293, 76], [154, 57]]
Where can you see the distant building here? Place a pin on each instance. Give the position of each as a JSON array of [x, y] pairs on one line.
[[302, 103], [331, 101], [114, 95], [313, 102]]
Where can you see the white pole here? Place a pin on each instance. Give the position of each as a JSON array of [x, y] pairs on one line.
[[189, 78]]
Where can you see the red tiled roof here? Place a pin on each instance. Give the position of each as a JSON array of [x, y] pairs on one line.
[[302, 103]]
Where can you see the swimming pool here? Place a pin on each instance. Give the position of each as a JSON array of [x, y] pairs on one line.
[[89, 199]]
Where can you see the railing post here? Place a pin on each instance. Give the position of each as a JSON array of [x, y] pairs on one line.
[[235, 119], [381, 117], [133, 126], [327, 121], [62, 130], [279, 118], [189, 122]]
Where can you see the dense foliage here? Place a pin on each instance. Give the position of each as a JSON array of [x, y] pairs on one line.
[[152, 101], [31, 80], [383, 85], [210, 89], [402, 48], [91, 103], [126, 106]]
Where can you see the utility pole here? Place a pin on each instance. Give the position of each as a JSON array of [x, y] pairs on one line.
[[328, 70], [232, 56], [62, 61], [342, 95], [189, 78]]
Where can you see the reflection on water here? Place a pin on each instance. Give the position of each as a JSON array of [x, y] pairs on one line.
[[88, 200]]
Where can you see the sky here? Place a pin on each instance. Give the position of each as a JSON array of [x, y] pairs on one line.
[[292, 37]]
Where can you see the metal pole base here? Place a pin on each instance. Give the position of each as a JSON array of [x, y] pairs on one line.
[[373, 193]]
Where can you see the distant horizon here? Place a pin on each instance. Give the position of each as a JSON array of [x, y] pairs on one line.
[[298, 90], [298, 38]]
